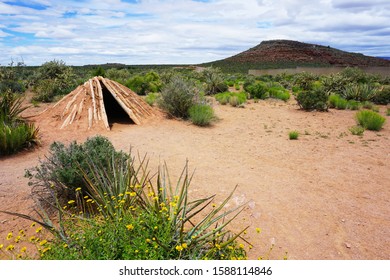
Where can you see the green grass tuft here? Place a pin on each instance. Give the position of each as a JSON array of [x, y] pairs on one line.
[[370, 120]]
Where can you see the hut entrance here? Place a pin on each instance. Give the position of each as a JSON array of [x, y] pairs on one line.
[[114, 111]]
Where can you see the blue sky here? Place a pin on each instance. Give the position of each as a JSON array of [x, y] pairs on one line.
[[83, 32]]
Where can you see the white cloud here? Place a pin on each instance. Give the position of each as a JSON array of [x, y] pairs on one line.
[[168, 31]]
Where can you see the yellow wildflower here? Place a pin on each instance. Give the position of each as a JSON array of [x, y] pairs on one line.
[[71, 202], [78, 189], [258, 230], [89, 200], [38, 230], [33, 224], [43, 242], [10, 247], [46, 249], [179, 248], [130, 227], [151, 194], [1, 246], [184, 245], [24, 249], [241, 246], [9, 236]]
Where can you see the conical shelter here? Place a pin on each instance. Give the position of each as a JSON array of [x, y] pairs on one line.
[[98, 102]]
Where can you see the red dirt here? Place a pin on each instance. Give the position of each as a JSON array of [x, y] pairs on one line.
[[323, 196]]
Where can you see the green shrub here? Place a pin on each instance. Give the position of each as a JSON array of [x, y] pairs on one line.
[[151, 98], [341, 104], [293, 135], [140, 216], [201, 114], [53, 78], [332, 100], [368, 105], [15, 133], [353, 105], [359, 92], [281, 94], [357, 130], [233, 98], [315, 99], [382, 96], [177, 97], [233, 101], [305, 81], [370, 120], [257, 90], [11, 107], [16, 136], [60, 172], [213, 80]]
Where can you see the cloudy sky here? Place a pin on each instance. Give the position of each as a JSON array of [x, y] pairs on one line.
[[83, 32]]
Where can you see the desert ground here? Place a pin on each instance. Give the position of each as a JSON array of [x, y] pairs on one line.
[[323, 196]]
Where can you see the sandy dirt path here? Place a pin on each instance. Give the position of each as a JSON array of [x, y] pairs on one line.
[[324, 196]]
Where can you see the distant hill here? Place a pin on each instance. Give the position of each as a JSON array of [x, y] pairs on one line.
[[289, 54]]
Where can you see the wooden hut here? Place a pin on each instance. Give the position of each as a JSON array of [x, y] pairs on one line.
[[99, 102]]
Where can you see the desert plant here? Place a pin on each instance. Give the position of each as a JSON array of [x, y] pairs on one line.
[[281, 94], [370, 120], [151, 98], [315, 99], [140, 217], [359, 92], [53, 78], [293, 135], [16, 136], [233, 98], [201, 114], [341, 104], [382, 96], [214, 80], [233, 101], [257, 90], [15, 132], [11, 106], [332, 99], [60, 172], [305, 81], [178, 96], [353, 105], [357, 130]]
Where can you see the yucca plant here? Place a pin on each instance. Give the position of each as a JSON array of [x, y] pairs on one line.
[[11, 107], [137, 215], [359, 92]]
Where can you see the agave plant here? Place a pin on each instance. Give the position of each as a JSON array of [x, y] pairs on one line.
[[359, 92]]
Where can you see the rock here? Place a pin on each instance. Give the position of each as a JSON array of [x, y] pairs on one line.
[[347, 245]]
